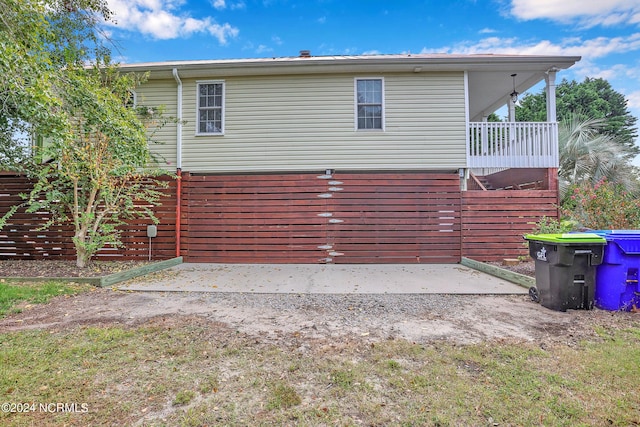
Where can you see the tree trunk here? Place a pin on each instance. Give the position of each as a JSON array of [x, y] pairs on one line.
[[81, 257], [82, 254]]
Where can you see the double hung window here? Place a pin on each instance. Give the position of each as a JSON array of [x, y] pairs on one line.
[[210, 108], [369, 104]]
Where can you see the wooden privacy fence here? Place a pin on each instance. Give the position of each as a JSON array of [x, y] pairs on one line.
[[493, 222], [20, 238], [400, 217]]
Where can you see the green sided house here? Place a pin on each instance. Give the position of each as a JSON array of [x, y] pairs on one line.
[[342, 159], [355, 159]]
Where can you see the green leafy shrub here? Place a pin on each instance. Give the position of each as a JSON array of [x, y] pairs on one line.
[[602, 206], [549, 225]]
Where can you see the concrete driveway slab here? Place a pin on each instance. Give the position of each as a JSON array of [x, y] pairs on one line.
[[324, 279]]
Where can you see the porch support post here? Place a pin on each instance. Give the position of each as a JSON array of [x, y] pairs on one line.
[[550, 80], [512, 110], [551, 178]]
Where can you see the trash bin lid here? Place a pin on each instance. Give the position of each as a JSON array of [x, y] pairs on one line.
[[631, 234], [568, 238], [627, 240]]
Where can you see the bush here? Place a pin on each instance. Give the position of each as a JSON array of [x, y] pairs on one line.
[[602, 206], [548, 225]]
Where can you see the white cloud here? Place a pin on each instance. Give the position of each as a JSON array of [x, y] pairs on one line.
[[322, 20], [263, 49], [160, 19], [633, 100], [590, 49], [487, 31], [587, 13], [219, 4]]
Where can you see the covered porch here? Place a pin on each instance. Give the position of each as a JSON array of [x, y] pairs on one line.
[[496, 146]]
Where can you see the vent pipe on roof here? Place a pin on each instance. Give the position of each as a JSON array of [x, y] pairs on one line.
[[305, 54]]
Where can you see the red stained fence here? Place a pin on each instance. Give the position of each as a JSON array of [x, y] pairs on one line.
[[493, 222], [20, 238], [309, 218], [402, 217]]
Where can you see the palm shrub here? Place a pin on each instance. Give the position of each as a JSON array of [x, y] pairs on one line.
[[587, 156]]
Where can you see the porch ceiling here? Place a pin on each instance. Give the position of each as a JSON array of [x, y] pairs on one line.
[[490, 90]]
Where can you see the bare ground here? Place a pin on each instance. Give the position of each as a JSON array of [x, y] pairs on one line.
[[420, 318], [60, 268], [282, 318]]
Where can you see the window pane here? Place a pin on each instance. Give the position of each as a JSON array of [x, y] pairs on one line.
[[210, 103], [369, 103]]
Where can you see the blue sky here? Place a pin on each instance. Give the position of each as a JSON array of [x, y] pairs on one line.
[[606, 33]]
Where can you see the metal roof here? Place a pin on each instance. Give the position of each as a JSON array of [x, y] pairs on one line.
[[360, 63]]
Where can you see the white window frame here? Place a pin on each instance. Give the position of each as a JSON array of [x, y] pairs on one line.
[[208, 82], [355, 104], [134, 99]]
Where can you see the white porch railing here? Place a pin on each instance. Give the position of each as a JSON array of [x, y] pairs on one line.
[[513, 145]]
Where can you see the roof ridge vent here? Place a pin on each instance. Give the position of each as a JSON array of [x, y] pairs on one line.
[[305, 54]]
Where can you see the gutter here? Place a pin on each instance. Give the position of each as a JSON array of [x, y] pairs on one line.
[[178, 161]]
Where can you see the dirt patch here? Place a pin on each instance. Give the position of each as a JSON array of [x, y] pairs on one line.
[[418, 318], [59, 268], [415, 317]]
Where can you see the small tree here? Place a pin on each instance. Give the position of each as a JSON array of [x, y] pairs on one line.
[[594, 98], [97, 174]]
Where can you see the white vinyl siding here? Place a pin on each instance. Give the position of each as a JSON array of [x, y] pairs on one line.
[[161, 95], [306, 123]]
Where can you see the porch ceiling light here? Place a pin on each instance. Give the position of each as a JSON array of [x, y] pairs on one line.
[[514, 94]]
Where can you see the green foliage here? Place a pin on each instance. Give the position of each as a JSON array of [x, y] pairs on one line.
[[97, 172], [602, 206], [96, 176], [283, 396], [37, 293], [591, 99], [183, 397], [39, 42], [548, 225], [587, 156]]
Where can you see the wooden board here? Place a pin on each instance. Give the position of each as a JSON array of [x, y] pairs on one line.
[[493, 222], [311, 218]]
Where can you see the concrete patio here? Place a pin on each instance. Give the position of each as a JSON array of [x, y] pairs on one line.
[[324, 279]]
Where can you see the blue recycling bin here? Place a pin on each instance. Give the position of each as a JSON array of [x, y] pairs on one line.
[[617, 285]]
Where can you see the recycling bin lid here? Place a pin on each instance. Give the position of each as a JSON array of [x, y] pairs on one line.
[[622, 234], [568, 238], [628, 241]]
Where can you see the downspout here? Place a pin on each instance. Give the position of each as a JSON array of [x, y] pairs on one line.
[[178, 161]]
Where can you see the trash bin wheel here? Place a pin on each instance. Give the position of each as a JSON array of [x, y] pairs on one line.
[[533, 293]]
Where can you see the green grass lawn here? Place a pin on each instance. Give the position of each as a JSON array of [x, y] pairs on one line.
[[192, 372], [12, 294]]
